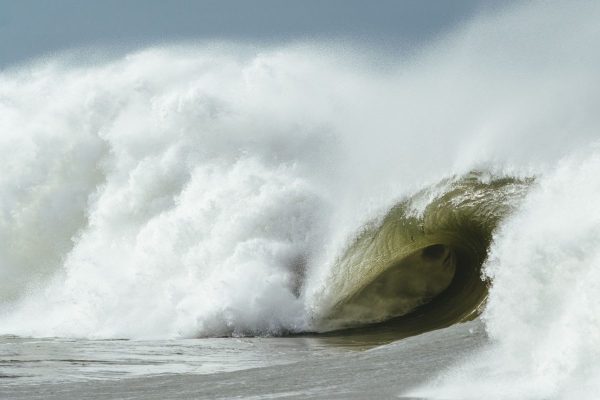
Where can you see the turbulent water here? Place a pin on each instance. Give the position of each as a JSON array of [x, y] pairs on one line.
[[209, 190]]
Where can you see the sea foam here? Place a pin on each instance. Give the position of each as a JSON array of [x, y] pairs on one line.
[[204, 190]]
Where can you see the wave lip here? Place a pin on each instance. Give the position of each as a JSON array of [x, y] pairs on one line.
[[420, 267]]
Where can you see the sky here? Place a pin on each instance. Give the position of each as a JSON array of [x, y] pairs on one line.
[[34, 28]]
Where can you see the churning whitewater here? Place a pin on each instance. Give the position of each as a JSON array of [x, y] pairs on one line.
[[224, 190]]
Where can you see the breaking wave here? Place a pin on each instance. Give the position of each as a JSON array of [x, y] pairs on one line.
[[421, 265], [218, 189]]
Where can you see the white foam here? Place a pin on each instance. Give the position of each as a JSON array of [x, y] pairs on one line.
[[178, 191], [542, 314]]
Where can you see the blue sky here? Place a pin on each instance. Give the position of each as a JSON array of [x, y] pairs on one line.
[[31, 28]]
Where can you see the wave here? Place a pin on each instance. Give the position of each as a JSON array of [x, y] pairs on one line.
[[421, 264], [542, 311], [217, 189]]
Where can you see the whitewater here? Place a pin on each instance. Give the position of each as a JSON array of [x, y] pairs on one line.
[[224, 192]]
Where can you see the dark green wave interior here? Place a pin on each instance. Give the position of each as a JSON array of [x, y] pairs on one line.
[[419, 268]]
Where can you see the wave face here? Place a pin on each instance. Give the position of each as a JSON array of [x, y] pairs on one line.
[[422, 261], [216, 190]]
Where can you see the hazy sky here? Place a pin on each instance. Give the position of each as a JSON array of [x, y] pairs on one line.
[[29, 28]]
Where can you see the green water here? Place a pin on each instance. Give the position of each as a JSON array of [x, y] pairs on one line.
[[419, 268]]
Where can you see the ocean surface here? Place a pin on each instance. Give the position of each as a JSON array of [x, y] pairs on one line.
[[309, 220], [265, 368]]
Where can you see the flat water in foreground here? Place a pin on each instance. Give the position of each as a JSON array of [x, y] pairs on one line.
[[289, 367]]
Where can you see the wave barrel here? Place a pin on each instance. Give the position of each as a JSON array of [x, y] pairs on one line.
[[419, 268]]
